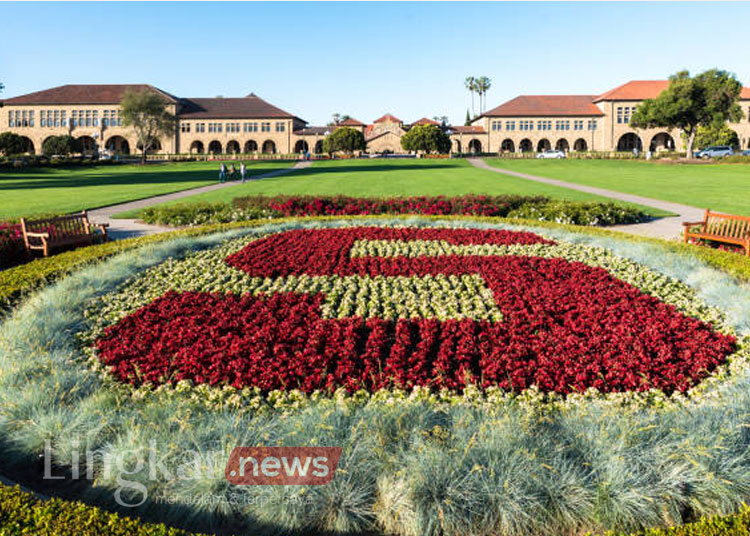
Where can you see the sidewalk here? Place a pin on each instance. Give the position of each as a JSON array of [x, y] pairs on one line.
[[670, 228], [127, 228]]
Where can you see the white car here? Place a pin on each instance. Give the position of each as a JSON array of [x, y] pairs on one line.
[[551, 153]]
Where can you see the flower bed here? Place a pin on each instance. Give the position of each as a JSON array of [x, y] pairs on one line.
[[439, 308], [511, 206], [12, 249], [468, 459]]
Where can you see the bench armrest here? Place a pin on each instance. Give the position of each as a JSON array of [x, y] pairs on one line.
[[38, 235], [691, 223]]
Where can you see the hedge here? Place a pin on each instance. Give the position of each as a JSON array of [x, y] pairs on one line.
[[20, 280], [508, 206], [732, 525], [23, 513]]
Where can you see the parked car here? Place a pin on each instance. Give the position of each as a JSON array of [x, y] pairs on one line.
[[551, 153], [715, 151]]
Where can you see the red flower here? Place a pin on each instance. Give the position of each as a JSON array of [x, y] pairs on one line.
[[566, 327]]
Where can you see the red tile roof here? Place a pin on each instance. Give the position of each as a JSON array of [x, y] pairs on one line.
[[472, 129], [250, 107], [546, 105], [635, 90], [425, 121], [84, 94], [351, 122], [388, 118]]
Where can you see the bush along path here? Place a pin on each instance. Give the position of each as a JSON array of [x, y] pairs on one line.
[[670, 228], [127, 228]]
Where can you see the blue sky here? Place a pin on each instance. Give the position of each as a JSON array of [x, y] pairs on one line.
[[366, 59]]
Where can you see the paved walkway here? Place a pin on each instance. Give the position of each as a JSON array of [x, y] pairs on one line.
[[126, 228], [670, 228]]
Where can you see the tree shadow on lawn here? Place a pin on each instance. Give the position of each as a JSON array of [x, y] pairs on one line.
[[321, 169], [32, 182]]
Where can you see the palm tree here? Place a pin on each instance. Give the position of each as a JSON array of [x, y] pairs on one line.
[[483, 86], [471, 85]]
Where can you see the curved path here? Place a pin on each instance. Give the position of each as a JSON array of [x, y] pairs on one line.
[[670, 228], [127, 228]]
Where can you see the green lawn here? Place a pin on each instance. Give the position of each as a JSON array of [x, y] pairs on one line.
[[59, 190], [720, 187], [391, 178]]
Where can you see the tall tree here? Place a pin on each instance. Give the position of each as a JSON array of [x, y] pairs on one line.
[[471, 85], [706, 100], [147, 113], [344, 139], [427, 138], [467, 121], [483, 85], [442, 119]]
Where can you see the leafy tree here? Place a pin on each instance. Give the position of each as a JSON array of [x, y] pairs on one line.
[[716, 135], [338, 119], [147, 113], [11, 143], [427, 138], [708, 99], [344, 139], [442, 119], [62, 145]]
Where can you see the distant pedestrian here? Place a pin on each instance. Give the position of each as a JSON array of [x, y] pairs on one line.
[[243, 171], [232, 172], [222, 173]]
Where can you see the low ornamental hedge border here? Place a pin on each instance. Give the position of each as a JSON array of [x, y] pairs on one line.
[[538, 208], [20, 280], [23, 513]]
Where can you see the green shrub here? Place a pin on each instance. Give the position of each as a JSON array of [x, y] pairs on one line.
[[197, 214], [732, 525], [23, 513], [525, 207], [578, 213], [61, 145]]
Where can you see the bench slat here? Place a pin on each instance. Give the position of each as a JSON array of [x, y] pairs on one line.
[[726, 228]]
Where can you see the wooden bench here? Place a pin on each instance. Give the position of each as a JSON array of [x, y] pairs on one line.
[[61, 231], [725, 228]]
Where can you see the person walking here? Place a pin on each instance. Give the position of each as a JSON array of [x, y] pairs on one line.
[[243, 171], [222, 173], [232, 172]]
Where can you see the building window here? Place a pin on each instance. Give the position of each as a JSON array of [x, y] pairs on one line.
[[624, 113], [510, 125], [265, 127], [95, 113], [214, 127], [497, 125], [200, 127], [250, 127], [562, 125], [526, 125], [280, 127], [592, 124], [544, 125], [578, 124], [184, 127]]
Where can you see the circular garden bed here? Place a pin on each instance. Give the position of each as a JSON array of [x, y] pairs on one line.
[[481, 378]]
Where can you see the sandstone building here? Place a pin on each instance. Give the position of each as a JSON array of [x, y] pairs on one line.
[[250, 125]]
